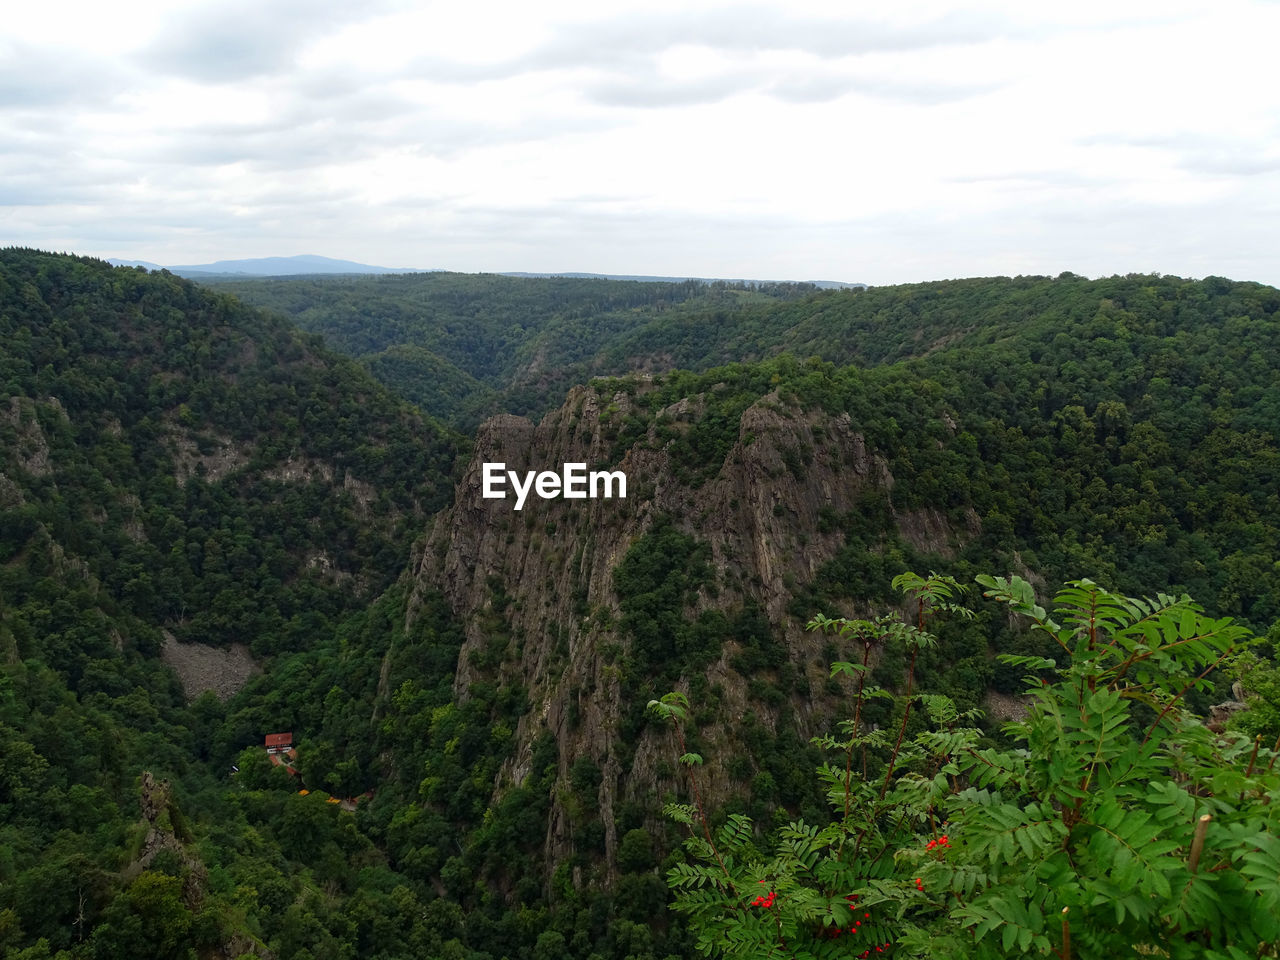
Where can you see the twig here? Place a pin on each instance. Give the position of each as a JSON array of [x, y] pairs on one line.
[[1257, 742], [1169, 706], [1121, 670], [702, 813], [1197, 844], [853, 735], [893, 757]]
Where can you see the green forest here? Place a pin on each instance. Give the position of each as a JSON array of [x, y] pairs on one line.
[[279, 466], [466, 346]]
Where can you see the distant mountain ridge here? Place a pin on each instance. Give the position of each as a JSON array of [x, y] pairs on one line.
[[307, 264], [268, 267], [820, 284]]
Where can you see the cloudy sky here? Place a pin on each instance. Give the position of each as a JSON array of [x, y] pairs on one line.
[[882, 143]]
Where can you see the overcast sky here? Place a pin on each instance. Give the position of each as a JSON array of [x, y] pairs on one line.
[[882, 143]]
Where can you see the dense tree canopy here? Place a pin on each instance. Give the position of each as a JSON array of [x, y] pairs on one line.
[[175, 462]]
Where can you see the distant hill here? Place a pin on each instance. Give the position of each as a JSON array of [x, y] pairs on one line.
[[268, 267], [820, 284], [308, 264], [464, 346], [147, 264]]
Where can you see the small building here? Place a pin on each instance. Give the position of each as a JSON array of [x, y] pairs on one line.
[[280, 751]]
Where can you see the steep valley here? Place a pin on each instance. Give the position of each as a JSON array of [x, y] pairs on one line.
[[475, 774]]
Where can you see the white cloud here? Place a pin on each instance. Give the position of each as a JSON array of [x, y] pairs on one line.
[[837, 140]]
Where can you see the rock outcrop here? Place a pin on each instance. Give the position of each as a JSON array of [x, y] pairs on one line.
[[551, 564]]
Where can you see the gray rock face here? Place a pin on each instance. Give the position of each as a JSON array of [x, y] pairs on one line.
[[200, 667], [760, 516]]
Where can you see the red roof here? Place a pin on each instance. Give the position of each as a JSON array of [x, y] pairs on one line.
[[279, 740]]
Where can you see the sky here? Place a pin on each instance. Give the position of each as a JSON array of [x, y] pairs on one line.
[[877, 143]]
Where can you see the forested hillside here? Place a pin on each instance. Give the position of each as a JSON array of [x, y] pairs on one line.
[[473, 681], [462, 345], [466, 346], [172, 464], [213, 470], [1131, 429], [1135, 440]]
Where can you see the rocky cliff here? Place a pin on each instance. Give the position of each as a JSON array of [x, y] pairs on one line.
[[536, 587]]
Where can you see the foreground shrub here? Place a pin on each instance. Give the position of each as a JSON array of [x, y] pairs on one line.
[[1117, 825]]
